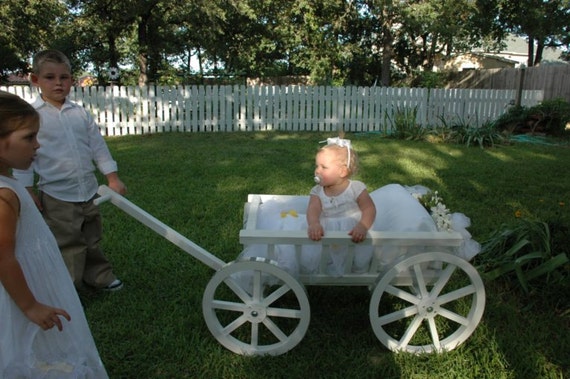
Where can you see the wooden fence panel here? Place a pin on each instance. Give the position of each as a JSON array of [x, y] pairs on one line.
[[552, 80], [155, 109]]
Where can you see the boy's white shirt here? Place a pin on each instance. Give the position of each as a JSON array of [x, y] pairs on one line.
[[70, 144]]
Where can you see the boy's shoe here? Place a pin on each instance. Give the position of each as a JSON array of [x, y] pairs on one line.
[[115, 285]]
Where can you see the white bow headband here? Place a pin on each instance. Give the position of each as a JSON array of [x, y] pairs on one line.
[[342, 143]]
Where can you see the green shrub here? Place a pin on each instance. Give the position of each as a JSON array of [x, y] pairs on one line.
[[549, 117], [512, 119], [526, 250], [404, 125], [451, 130], [429, 79], [553, 116], [485, 135]]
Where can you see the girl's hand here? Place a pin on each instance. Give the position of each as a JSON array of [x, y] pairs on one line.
[[358, 233], [46, 317], [315, 232]]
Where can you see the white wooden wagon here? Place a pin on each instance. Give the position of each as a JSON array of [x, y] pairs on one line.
[[426, 300]]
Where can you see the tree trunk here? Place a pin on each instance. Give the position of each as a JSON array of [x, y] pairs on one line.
[[538, 53], [387, 49], [530, 57], [142, 55]]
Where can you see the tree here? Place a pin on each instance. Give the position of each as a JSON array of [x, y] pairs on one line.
[[103, 30], [543, 22], [433, 27], [27, 27], [334, 41]]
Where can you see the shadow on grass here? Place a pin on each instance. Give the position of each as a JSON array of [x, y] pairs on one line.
[[531, 331]]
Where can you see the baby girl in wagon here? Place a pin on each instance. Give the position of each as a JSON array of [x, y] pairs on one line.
[[339, 203], [335, 203]]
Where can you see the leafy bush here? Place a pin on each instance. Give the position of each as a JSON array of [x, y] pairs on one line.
[[485, 135], [553, 116], [512, 119], [549, 117], [429, 79], [451, 130], [464, 131], [527, 250], [404, 125]]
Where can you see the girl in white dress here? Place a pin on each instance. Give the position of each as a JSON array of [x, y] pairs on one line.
[[339, 203], [336, 203], [44, 332]]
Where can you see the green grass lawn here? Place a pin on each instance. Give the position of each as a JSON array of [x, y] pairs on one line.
[[198, 183]]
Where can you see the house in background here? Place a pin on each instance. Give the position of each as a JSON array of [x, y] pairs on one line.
[[514, 55], [517, 50], [472, 61], [17, 79]]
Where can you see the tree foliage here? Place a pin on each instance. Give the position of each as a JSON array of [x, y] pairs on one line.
[[543, 22], [359, 42], [27, 26]]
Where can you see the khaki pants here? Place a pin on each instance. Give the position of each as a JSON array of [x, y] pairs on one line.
[[77, 229]]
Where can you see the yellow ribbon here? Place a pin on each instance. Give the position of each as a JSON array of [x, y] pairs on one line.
[[291, 212]]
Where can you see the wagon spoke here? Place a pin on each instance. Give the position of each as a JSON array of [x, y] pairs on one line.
[[228, 305], [412, 329], [457, 294], [286, 313], [443, 279], [453, 316], [254, 334], [433, 332], [237, 289], [275, 295], [257, 285], [400, 293], [274, 329], [228, 329], [420, 280], [398, 315]]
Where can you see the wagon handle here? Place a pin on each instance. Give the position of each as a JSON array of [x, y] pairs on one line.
[[107, 194]]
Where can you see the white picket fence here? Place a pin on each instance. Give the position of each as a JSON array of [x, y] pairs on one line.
[[152, 109]]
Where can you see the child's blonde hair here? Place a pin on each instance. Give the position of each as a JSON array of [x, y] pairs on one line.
[[15, 113], [54, 56], [342, 153]]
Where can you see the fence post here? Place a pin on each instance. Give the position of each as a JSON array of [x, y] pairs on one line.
[[520, 87]]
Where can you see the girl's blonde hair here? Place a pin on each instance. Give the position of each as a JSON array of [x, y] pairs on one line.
[[15, 113], [342, 156]]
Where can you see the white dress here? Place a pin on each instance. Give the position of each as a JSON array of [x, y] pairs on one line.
[[27, 351], [340, 213]]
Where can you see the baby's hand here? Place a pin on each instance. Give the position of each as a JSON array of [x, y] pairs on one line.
[[358, 233], [315, 232]]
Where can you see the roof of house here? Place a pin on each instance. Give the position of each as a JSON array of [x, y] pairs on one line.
[[17, 79], [518, 46]]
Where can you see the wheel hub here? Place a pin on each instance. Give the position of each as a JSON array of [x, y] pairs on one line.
[[255, 313], [428, 307]]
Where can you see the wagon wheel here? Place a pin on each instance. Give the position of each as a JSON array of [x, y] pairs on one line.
[[441, 289], [253, 307]]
